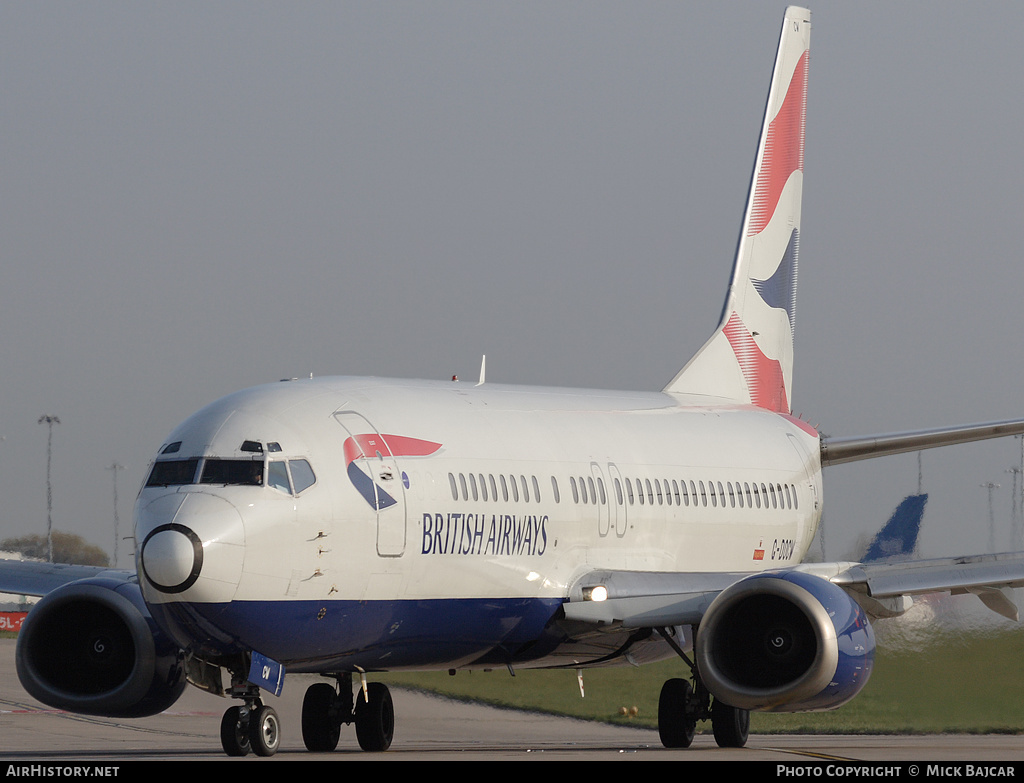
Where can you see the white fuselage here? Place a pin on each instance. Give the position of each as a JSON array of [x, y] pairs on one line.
[[430, 492]]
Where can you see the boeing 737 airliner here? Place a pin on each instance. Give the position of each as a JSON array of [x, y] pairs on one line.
[[346, 526]]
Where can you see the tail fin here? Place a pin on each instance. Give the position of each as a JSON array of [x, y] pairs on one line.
[[749, 358], [898, 537]]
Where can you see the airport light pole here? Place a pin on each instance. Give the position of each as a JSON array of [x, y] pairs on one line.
[[1018, 530], [991, 517], [50, 421], [113, 469], [1015, 514]]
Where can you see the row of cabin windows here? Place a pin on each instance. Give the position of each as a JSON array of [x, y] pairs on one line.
[[590, 490], [713, 493], [477, 486]]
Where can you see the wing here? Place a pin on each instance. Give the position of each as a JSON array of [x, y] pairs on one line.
[[990, 577], [789, 640], [28, 577], [656, 600]]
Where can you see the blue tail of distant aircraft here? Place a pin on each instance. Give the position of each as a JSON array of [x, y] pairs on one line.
[[898, 538]]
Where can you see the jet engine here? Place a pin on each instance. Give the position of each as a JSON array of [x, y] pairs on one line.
[[784, 642], [91, 647]]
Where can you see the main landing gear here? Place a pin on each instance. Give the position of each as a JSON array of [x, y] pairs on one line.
[[681, 705], [325, 707]]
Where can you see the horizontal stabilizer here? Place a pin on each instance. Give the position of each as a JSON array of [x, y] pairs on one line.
[[835, 451]]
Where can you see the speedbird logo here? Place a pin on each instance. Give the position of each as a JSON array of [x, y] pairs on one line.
[[377, 452]]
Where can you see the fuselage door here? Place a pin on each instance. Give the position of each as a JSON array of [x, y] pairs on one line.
[[808, 517], [374, 472], [616, 500], [600, 497]]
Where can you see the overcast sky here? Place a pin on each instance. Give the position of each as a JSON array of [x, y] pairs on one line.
[[197, 197]]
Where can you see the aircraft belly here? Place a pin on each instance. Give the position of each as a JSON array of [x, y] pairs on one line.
[[373, 635]]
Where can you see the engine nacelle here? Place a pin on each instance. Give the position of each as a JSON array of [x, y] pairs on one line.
[[784, 642], [91, 647]]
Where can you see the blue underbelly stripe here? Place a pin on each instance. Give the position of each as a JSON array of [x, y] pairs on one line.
[[312, 635]]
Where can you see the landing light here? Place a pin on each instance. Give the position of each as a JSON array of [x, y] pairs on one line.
[[599, 593]]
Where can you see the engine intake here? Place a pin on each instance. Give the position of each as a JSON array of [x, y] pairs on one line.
[[91, 647], [784, 642]]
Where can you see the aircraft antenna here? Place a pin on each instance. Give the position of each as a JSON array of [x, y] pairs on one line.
[[483, 370]]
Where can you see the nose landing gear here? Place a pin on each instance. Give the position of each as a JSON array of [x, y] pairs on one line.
[[253, 726]]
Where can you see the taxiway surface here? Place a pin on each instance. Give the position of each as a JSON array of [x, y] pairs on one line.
[[430, 728]]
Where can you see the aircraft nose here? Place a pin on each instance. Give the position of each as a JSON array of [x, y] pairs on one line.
[[172, 558], [192, 547]]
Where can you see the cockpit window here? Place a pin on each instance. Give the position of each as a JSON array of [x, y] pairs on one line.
[[172, 472], [232, 471], [291, 477], [302, 475], [277, 477]]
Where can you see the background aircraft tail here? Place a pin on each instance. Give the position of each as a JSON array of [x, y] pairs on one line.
[[898, 537], [749, 358]]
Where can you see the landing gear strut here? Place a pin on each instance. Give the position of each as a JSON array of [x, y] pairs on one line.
[[681, 705], [326, 707], [253, 726]]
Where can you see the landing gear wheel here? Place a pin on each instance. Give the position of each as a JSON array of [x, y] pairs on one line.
[[375, 719], [234, 737], [730, 724], [321, 724], [675, 729], [264, 731]]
